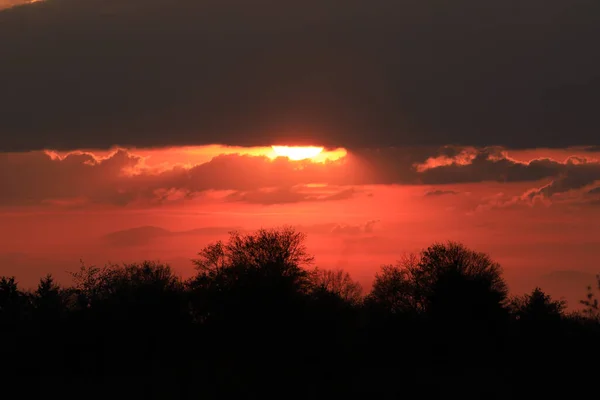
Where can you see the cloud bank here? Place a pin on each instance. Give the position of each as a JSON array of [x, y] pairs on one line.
[[97, 73], [126, 177]]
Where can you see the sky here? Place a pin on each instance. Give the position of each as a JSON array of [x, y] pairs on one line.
[[135, 130]]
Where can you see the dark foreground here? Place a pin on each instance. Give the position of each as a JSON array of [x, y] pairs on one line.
[[256, 322]]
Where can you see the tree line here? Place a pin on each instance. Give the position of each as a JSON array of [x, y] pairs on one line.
[[259, 319]]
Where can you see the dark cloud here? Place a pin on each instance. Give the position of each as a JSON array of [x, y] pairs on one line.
[[477, 165], [96, 73], [573, 178], [571, 184], [595, 190], [481, 165], [32, 178]]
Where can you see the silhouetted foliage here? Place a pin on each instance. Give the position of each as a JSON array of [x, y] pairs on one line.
[[592, 308], [454, 281], [266, 266], [336, 283], [282, 249], [12, 301], [148, 291], [256, 284], [443, 281], [259, 320], [447, 297], [49, 300], [537, 308], [394, 289]]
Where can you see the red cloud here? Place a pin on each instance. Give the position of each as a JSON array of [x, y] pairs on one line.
[[125, 177]]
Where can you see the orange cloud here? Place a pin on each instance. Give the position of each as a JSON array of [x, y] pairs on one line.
[[121, 176], [146, 177], [12, 3]]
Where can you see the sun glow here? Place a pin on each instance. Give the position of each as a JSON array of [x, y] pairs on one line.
[[297, 153], [159, 160]]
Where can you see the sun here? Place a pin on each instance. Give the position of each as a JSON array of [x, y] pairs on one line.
[[297, 152]]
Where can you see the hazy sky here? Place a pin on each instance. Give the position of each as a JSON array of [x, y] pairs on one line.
[[136, 129]]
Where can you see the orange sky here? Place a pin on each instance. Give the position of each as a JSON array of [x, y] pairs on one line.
[[438, 142], [359, 209]]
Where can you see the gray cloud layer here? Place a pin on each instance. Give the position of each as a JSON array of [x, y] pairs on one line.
[[96, 73]]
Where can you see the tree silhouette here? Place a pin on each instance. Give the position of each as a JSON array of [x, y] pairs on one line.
[[147, 288], [49, 300], [336, 283], [537, 308], [592, 308], [258, 318], [12, 301], [393, 291], [133, 310], [443, 281], [448, 298], [335, 300], [451, 280], [252, 293], [282, 249], [267, 258], [253, 277]]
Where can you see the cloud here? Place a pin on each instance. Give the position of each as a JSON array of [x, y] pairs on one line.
[[484, 165], [11, 3], [120, 178], [568, 178], [577, 175], [33, 178], [595, 190], [479, 165], [571, 186], [438, 192], [126, 177], [346, 229], [289, 195], [98, 73]]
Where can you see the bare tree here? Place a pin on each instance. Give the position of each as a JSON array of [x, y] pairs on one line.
[[393, 289], [338, 283], [278, 251]]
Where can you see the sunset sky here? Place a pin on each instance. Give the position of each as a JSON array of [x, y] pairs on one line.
[[143, 129]]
